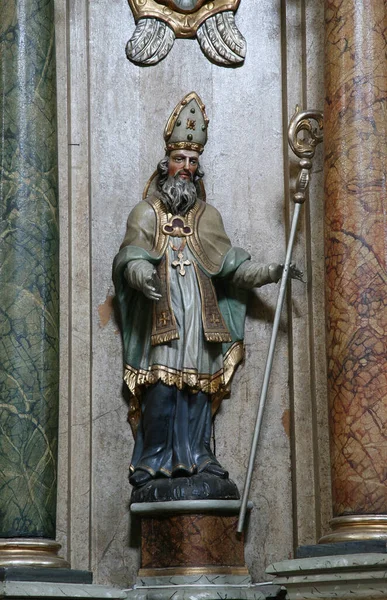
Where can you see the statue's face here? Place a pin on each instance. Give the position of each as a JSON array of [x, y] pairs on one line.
[[183, 163], [183, 5]]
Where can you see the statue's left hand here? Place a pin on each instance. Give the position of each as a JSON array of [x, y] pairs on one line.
[[276, 271], [295, 273]]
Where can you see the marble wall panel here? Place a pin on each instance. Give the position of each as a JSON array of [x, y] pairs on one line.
[[121, 111], [300, 407], [116, 182], [314, 89], [74, 496], [64, 304], [308, 403]]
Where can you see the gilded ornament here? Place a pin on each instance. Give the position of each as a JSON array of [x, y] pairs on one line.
[[159, 22]]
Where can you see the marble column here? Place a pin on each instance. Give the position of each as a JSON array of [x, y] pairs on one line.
[[356, 256], [29, 317]]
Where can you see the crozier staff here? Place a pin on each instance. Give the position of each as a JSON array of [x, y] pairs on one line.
[[180, 288]]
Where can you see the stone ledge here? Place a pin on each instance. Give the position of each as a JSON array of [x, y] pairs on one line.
[[23, 590], [188, 506], [211, 592], [342, 562], [45, 575], [358, 576], [216, 579]]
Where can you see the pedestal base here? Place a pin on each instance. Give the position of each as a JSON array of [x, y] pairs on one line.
[[31, 552], [352, 528], [358, 576], [191, 551], [190, 538], [201, 486]]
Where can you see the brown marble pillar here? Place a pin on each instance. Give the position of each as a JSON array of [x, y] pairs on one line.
[[356, 255]]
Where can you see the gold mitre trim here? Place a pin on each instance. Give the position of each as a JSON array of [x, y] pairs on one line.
[[180, 138], [184, 146], [183, 25]]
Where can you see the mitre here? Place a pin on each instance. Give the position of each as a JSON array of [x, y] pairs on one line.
[[187, 126]]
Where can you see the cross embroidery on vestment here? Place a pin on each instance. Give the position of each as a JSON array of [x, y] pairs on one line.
[[163, 319]]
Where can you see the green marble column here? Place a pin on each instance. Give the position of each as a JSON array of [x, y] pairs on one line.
[[28, 270]]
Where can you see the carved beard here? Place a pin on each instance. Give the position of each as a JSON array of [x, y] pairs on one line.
[[178, 195]]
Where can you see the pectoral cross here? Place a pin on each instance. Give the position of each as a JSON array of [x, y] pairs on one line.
[[181, 263]]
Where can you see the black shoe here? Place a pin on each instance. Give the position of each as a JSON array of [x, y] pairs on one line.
[[140, 478], [214, 469], [182, 473]]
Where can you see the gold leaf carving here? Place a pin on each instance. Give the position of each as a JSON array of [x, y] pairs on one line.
[[184, 25]]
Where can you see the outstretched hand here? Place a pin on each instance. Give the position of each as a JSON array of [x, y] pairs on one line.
[[151, 287], [295, 273], [276, 272]]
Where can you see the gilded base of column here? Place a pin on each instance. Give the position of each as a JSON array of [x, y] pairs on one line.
[[353, 528], [29, 552]]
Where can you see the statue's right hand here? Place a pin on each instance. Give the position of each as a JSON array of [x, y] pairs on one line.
[[142, 276], [151, 287]]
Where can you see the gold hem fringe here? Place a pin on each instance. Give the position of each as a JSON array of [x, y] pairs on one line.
[[217, 337], [216, 385], [163, 338]]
